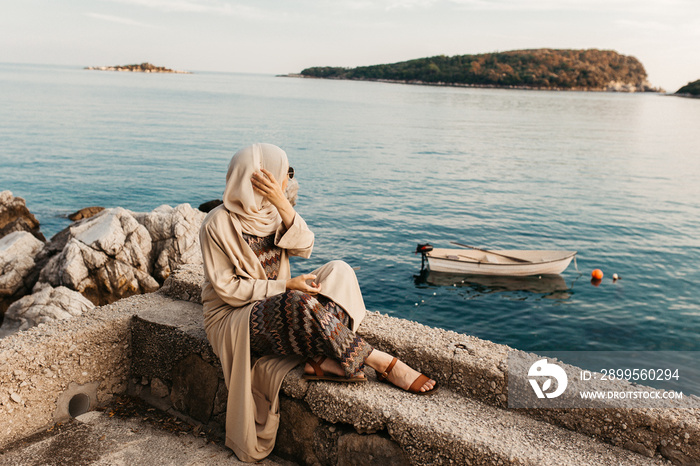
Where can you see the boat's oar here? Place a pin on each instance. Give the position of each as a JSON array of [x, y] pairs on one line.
[[516, 259]]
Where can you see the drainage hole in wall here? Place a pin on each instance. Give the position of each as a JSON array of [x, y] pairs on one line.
[[79, 404]]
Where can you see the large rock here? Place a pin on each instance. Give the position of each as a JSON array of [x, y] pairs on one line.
[[208, 206], [17, 253], [14, 216], [292, 191], [44, 305], [105, 258], [85, 212], [175, 237]]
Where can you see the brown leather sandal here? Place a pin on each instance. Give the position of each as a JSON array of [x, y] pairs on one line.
[[415, 386], [321, 374]]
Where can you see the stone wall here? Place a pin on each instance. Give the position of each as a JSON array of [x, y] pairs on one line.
[[42, 368]]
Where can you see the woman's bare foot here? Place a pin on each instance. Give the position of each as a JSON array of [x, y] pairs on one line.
[[401, 374], [329, 366]]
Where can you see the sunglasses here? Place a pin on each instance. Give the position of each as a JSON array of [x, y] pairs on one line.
[[290, 173]]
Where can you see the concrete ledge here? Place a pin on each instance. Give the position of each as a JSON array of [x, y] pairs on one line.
[[185, 284], [88, 355], [154, 346], [476, 369], [323, 419]]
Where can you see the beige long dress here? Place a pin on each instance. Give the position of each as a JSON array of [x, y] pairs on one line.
[[234, 281]]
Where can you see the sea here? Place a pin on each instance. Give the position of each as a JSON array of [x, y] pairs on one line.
[[383, 167]]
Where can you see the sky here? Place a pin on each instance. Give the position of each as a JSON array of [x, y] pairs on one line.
[[278, 37]]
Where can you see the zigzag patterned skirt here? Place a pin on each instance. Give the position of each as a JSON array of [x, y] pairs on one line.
[[296, 323]]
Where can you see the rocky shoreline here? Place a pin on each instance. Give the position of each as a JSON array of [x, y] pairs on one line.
[[105, 255], [687, 96], [611, 87], [140, 68]]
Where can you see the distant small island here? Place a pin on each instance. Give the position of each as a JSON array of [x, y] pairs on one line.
[[552, 69], [690, 90], [141, 68]]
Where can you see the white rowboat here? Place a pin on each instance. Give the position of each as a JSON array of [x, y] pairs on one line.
[[480, 262]]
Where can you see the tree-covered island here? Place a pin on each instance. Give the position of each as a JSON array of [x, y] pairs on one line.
[[139, 68], [586, 70], [690, 89]]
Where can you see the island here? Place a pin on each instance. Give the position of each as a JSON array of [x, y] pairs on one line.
[[140, 68], [553, 69], [690, 90]]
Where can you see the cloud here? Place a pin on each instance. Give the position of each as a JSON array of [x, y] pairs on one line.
[[651, 26], [382, 4], [219, 7], [630, 6], [119, 20], [393, 4]]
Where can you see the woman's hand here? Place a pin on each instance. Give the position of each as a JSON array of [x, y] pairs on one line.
[[265, 184], [301, 283]]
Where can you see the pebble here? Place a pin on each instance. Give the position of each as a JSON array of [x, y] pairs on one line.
[[16, 398]]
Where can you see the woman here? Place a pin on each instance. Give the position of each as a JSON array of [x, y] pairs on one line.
[[252, 305]]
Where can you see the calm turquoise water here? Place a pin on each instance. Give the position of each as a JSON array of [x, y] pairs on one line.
[[382, 167]]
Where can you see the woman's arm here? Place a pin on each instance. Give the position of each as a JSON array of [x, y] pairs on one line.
[[267, 185], [220, 272], [296, 237], [298, 240]]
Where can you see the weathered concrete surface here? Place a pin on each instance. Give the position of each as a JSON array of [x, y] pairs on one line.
[[97, 439], [185, 284], [311, 440], [164, 333], [38, 365], [151, 340], [477, 369], [449, 428], [473, 367]]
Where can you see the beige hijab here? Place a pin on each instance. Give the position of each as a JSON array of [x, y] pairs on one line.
[[257, 215]]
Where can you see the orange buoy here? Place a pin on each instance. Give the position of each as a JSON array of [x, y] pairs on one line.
[[597, 274]]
